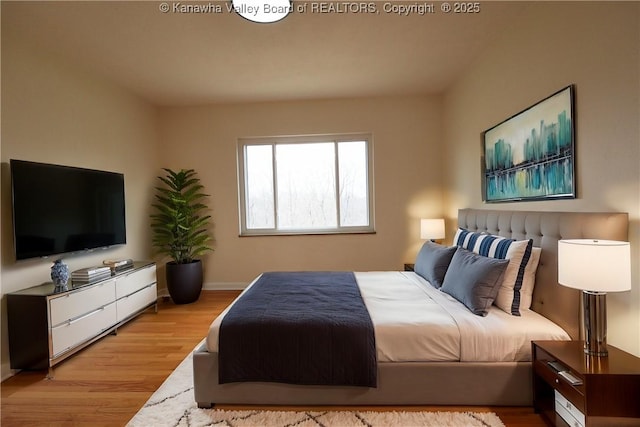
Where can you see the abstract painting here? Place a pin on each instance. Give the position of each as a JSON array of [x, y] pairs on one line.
[[530, 156]]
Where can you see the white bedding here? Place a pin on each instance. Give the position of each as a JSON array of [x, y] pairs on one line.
[[413, 321]]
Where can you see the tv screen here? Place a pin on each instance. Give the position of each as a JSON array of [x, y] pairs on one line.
[[61, 209]]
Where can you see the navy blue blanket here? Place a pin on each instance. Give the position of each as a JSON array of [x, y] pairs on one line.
[[309, 328]]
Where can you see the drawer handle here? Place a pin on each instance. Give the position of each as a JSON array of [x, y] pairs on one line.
[[84, 316]]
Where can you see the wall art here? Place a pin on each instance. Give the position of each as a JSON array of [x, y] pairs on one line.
[[530, 156]]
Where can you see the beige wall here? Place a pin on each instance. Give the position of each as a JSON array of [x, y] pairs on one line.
[[594, 46], [407, 174], [54, 112], [426, 149]]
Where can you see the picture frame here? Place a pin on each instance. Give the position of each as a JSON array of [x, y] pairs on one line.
[[531, 155]]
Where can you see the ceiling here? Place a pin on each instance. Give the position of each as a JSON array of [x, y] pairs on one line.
[[181, 58]]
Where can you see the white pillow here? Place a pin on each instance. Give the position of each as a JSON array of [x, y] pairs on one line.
[[516, 291]]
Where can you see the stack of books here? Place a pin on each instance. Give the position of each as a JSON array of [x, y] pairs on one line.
[[118, 265], [90, 274]]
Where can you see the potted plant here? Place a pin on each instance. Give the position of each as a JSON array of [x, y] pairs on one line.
[[180, 230]]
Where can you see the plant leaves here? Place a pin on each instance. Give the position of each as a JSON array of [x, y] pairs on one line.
[[179, 229]]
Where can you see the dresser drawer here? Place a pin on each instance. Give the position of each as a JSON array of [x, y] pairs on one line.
[[75, 331], [128, 305], [134, 281], [568, 411], [75, 304]]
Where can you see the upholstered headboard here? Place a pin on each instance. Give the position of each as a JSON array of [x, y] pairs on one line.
[[555, 302]]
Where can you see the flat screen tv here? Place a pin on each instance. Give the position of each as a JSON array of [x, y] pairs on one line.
[[62, 209]]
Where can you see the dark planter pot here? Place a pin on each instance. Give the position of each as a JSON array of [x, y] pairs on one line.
[[184, 281]]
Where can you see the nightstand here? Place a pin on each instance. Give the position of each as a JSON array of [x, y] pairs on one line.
[[598, 391], [408, 267]]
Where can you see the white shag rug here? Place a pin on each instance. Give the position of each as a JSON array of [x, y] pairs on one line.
[[173, 405]]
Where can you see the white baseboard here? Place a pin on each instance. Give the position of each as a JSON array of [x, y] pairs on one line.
[[224, 286]]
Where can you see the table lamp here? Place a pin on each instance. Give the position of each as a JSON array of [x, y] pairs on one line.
[[432, 229], [595, 267]]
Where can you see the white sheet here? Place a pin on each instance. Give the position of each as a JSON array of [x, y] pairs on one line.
[[413, 321], [409, 325], [497, 337]]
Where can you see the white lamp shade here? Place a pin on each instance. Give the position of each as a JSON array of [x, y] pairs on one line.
[[432, 229], [594, 265]]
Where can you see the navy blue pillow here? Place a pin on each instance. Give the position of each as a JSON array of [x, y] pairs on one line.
[[432, 262]]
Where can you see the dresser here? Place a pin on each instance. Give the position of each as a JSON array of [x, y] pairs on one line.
[[47, 325]]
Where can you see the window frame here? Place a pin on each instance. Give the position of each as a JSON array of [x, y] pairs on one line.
[[304, 139]]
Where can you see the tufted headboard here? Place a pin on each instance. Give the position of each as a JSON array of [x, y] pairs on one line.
[[555, 302]]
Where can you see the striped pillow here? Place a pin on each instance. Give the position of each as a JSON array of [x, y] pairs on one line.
[[519, 277], [526, 292]]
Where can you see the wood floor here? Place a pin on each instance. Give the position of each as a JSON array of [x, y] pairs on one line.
[[108, 382]]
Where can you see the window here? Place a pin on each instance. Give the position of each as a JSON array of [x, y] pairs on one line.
[[306, 184]]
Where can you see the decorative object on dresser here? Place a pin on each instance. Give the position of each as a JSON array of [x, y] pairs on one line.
[[432, 229], [118, 264], [90, 275], [181, 230], [571, 388], [595, 267], [60, 273], [47, 325]]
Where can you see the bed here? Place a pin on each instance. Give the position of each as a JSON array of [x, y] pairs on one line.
[[449, 380]]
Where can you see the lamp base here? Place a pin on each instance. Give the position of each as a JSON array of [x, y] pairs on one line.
[[594, 306]]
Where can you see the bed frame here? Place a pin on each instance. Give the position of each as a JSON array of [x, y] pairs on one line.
[[444, 383]]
